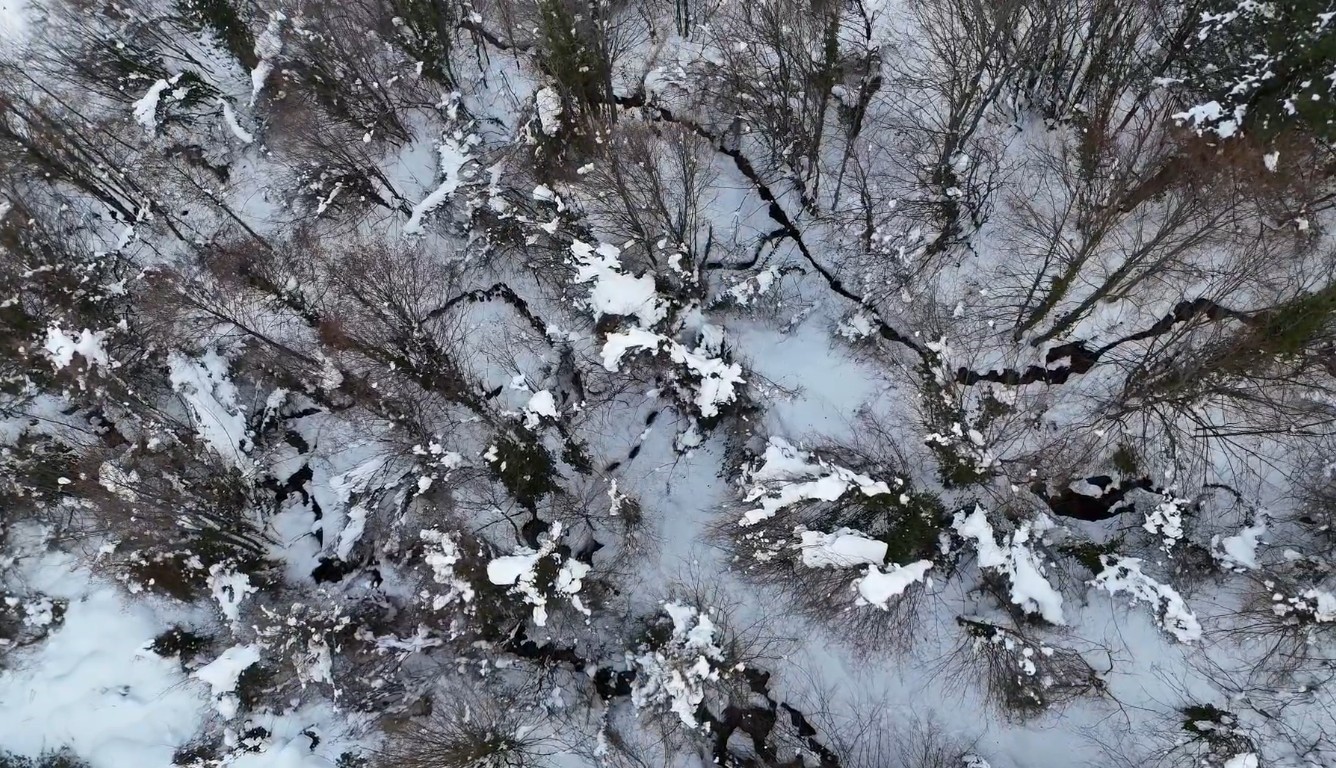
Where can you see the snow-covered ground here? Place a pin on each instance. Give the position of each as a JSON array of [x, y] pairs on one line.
[[369, 399], [96, 687]]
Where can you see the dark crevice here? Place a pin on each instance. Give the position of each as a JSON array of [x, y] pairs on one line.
[[497, 292], [491, 37], [1108, 504], [332, 570], [1081, 359], [1183, 312]]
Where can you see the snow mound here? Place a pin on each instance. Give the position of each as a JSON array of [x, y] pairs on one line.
[[841, 549], [676, 675], [613, 291], [61, 347], [879, 586], [548, 102], [222, 675], [1239, 552], [519, 571], [541, 405], [788, 475], [92, 685], [1122, 575], [1014, 558], [717, 380]]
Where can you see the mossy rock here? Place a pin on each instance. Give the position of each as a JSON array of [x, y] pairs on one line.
[[1088, 553], [253, 683], [913, 527], [181, 643], [1194, 715], [524, 467]]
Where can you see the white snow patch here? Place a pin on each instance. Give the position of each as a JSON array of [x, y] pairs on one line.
[[1325, 602], [509, 569], [222, 675], [1201, 116], [267, 47], [787, 476], [878, 586], [1014, 558], [1166, 519], [613, 292], [146, 108], [541, 405], [454, 153], [1123, 575], [842, 549], [752, 288], [675, 676], [203, 383], [570, 580], [230, 589], [856, 326], [351, 532], [92, 685], [1240, 550], [1317, 603], [548, 102], [230, 119], [442, 563], [61, 347], [718, 380], [517, 570]]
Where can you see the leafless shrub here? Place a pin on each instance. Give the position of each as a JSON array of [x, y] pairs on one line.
[[471, 727], [1315, 485], [333, 171], [174, 505], [1286, 622], [749, 644], [965, 59], [333, 645], [343, 60], [368, 320], [885, 738], [695, 666], [27, 619], [830, 596], [1023, 677], [1196, 735], [602, 519], [781, 67]]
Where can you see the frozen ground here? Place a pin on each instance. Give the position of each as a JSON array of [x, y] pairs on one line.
[[438, 405]]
